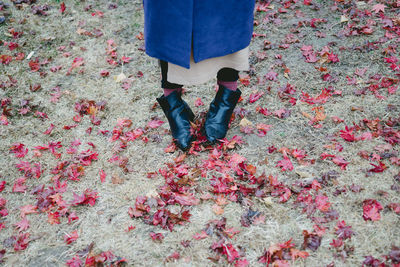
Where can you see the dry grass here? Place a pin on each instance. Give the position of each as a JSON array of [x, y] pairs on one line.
[[105, 223]]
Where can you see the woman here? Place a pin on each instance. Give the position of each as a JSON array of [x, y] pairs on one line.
[[195, 40]]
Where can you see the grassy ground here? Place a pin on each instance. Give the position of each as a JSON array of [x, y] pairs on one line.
[[360, 91]]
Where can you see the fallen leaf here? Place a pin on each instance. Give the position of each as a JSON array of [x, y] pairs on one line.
[[120, 77], [217, 209], [72, 237], [379, 8], [343, 18], [102, 176], [371, 209], [115, 179]]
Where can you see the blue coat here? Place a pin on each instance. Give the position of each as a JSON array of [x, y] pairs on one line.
[[213, 27]]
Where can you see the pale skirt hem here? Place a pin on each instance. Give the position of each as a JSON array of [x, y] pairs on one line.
[[205, 70]]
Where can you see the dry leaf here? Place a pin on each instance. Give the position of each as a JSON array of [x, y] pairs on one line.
[[245, 122], [152, 194], [305, 114], [357, 109], [180, 158], [119, 78], [221, 200], [115, 179], [320, 115], [217, 209], [268, 201], [303, 174]]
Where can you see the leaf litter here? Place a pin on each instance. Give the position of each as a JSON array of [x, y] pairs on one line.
[[321, 96]]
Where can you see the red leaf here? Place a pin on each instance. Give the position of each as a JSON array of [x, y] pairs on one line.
[[173, 256], [230, 232], [72, 237], [199, 236], [125, 59], [392, 90], [378, 8], [102, 176], [226, 249], [186, 200], [263, 111], [198, 102], [263, 129], [366, 136], [19, 186], [285, 164], [34, 65], [74, 262], [56, 95], [3, 202], [322, 203], [104, 73], [2, 185], [21, 242], [311, 240], [347, 134], [235, 160], [255, 96], [140, 36], [72, 217], [91, 197], [371, 209], [336, 243], [155, 123], [325, 155], [78, 199], [285, 197], [282, 113], [298, 254], [156, 236], [53, 218], [379, 168], [3, 212], [19, 150], [62, 7], [78, 61], [27, 209], [22, 225], [48, 131], [245, 80], [130, 228], [340, 161], [271, 75], [395, 207], [242, 263]]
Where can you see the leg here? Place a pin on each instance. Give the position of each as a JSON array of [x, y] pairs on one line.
[[228, 78], [176, 110], [221, 108], [167, 86]]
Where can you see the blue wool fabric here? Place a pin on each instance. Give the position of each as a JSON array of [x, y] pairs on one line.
[[212, 28]]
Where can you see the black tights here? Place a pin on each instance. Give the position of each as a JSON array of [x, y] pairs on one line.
[[224, 74]]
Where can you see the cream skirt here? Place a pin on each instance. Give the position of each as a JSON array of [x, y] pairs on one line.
[[207, 69]]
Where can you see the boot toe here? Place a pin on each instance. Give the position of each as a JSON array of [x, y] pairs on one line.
[[213, 133], [184, 142]]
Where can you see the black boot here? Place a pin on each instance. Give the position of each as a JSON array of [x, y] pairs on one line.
[[179, 116], [220, 112]]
